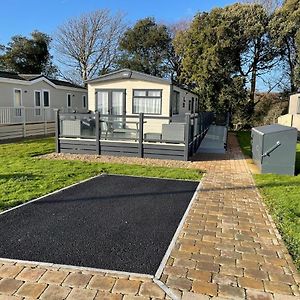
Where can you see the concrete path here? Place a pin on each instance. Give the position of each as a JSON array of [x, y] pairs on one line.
[[228, 248]]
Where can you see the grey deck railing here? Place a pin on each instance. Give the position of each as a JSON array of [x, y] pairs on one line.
[[131, 135]]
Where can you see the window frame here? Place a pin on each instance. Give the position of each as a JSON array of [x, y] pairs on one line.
[[43, 101], [21, 97], [37, 108], [147, 97], [84, 102], [69, 96], [176, 103]]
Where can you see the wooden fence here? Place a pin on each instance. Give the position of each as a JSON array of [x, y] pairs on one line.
[[90, 133]]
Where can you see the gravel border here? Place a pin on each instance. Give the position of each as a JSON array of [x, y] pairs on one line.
[[122, 160]]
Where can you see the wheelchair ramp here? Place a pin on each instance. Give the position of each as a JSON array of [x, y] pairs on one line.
[[215, 140]]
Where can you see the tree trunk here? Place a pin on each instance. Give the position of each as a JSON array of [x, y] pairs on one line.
[[253, 78]]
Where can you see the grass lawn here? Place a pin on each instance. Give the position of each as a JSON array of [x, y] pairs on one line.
[[23, 176], [282, 196]]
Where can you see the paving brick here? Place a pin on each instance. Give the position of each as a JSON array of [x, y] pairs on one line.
[[202, 257], [206, 288], [132, 297], [55, 292], [199, 275], [207, 266], [281, 278], [9, 285], [185, 263], [108, 296], [276, 261], [247, 282], [180, 254], [31, 289], [258, 295], [151, 290], [31, 274], [231, 270], [283, 297], [175, 271], [193, 296], [248, 264], [77, 280], [6, 297], [179, 283], [81, 294], [258, 274], [54, 277], [224, 279], [127, 286], [10, 271], [230, 291], [276, 287], [102, 283]]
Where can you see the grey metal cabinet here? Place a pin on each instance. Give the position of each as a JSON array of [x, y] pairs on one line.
[[274, 148]]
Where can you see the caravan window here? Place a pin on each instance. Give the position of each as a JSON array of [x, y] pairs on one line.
[[147, 101], [17, 97], [175, 103], [46, 97]]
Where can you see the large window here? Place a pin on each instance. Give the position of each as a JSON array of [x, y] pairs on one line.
[[147, 101], [46, 97], [175, 103]]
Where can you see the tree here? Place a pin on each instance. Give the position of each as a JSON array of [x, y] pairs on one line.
[[269, 5], [174, 58], [210, 61], [225, 49], [146, 47], [88, 44], [257, 56], [285, 30], [28, 55]]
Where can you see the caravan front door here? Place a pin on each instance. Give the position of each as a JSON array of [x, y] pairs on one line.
[[111, 106]]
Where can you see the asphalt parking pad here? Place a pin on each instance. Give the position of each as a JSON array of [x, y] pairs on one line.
[[110, 222]]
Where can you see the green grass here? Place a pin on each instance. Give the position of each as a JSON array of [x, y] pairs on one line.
[[282, 196], [23, 176]]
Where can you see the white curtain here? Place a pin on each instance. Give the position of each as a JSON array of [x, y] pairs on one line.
[[147, 105], [117, 103], [102, 103]]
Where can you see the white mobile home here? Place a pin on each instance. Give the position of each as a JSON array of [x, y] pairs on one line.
[[27, 103], [38, 91], [135, 114], [293, 117], [128, 92]]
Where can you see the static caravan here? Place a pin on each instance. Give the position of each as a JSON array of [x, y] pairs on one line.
[[38, 91], [126, 92], [293, 117]]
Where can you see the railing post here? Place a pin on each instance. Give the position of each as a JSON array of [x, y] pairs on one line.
[[141, 134], [23, 113], [45, 123], [97, 129], [187, 136], [57, 130]]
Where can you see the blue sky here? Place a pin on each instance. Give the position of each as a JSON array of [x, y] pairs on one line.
[[24, 16]]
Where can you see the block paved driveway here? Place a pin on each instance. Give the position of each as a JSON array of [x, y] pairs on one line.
[[228, 248]]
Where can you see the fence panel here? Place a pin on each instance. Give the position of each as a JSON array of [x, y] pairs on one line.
[[131, 135]]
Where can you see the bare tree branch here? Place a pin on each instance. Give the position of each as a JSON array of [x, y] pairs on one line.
[[88, 44]]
